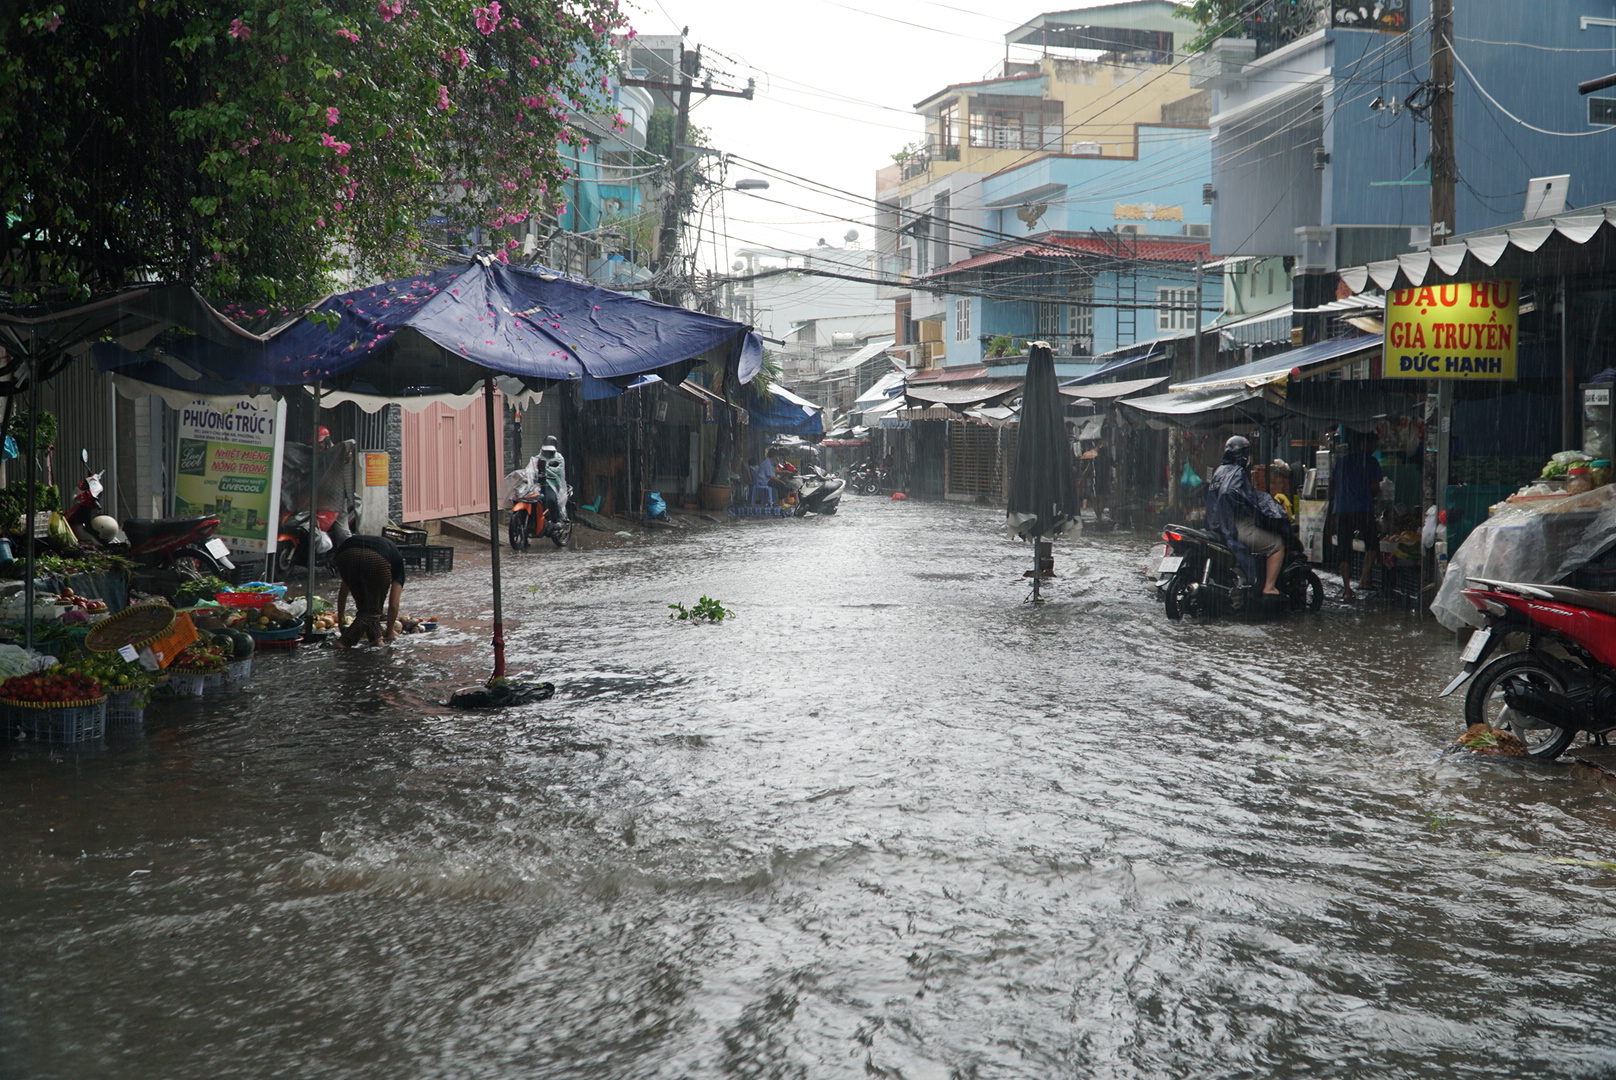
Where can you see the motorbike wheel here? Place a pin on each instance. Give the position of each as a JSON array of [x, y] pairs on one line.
[[192, 565], [1485, 704], [519, 525], [560, 532], [1305, 591], [869, 487], [285, 557], [1178, 597]]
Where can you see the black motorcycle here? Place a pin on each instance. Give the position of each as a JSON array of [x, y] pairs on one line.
[[866, 478], [1199, 575]]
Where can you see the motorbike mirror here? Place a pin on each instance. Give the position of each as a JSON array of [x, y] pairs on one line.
[[84, 455]]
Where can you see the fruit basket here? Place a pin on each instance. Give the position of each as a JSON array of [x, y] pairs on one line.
[[54, 707], [138, 625]]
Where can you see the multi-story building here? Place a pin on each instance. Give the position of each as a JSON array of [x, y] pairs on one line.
[[1061, 199]]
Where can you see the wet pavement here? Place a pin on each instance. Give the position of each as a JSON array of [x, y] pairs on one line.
[[888, 820]]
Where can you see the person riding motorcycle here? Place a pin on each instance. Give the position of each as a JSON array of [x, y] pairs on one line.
[[1250, 522], [549, 468]]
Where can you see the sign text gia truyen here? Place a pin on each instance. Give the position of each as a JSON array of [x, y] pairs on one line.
[[1462, 331]]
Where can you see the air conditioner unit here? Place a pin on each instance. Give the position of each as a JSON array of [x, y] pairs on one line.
[[1197, 228], [1086, 148], [1132, 229]]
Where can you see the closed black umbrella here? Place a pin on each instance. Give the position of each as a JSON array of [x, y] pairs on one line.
[[1043, 501]]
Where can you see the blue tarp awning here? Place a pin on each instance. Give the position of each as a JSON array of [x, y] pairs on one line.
[[784, 413], [447, 330]]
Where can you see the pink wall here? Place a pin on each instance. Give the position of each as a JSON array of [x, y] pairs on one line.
[[446, 461]]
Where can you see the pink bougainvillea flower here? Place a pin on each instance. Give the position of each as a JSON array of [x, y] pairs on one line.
[[55, 21], [341, 148], [238, 30], [331, 115], [443, 98], [487, 17], [349, 34], [390, 9]]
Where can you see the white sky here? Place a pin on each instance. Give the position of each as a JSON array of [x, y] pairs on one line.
[[836, 84]]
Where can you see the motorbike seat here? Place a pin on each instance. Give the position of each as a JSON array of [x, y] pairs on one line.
[[1565, 594], [139, 530]]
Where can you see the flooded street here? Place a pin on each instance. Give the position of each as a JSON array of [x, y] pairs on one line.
[[889, 820]]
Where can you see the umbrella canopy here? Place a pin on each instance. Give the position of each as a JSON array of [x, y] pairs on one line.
[[1043, 501], [446, 331]]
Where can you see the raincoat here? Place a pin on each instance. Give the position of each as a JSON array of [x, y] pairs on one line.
[[1230, 497]]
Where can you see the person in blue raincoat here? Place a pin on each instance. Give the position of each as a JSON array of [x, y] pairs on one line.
[[1249, 521]]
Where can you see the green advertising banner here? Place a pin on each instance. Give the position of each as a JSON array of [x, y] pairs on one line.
[[228, 465]]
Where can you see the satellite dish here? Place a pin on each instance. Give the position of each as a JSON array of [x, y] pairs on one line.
[[737, 266], [852, 236], [822, 242]]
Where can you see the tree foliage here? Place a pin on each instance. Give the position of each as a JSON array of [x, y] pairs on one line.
[[255, 149]]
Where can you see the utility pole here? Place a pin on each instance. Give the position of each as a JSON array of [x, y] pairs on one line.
[[668, 242], [1444, 169], [1444, 174], [668, 246]]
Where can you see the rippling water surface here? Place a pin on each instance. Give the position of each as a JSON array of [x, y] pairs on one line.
[[889, 820]]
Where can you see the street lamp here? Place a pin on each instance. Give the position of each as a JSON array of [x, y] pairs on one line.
[[751, 185]]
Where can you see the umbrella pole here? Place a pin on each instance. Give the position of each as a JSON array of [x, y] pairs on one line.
[[493, 529], [29, 558], [314, 515]]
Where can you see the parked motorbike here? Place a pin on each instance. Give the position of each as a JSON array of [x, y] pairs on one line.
[[866, 478], [1200, 575], [529, 516], [337, 516], [291, 543], [185, 547], [1562, 683], [816, 491]]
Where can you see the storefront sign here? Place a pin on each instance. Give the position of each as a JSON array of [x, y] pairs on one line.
[[376, 466], [1452, 331], [1147, 212], [228, 465]]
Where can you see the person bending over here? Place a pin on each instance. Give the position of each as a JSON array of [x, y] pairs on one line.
[[372, 571]]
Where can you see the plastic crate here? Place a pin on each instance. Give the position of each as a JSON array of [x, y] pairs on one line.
[[127, 708], [405, 537], [57, 723], [194, 684], [237, 672], [435, 559]]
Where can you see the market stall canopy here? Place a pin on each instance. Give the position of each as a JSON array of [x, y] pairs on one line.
[[964, 395], [1205, 407], [54, 333], [881, 391], [1126, 358], [864, 355], [1263, 328], [783, 412], [1110, 391], [1306, 360], [1569, 243], [445, 331]]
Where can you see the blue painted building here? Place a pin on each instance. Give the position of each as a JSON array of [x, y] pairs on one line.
[[1320, 143]]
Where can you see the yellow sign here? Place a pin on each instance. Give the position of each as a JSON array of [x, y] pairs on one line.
[[1147, 212], [376, 470], [1452, 331]]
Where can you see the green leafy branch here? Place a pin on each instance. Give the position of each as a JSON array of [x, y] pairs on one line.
[[706, 610]]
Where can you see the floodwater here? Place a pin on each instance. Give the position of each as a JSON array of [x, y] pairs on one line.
[[889, 820]]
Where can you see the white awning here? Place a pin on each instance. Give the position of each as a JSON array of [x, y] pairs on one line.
[[873, 349], [1519, 250]]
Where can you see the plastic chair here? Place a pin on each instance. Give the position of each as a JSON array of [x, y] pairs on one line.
[[760, 483]]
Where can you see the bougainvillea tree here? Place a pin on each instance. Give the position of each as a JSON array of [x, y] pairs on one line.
[[256, 148]]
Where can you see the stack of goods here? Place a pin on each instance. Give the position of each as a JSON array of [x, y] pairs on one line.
[[199, 666], [1570, 472]]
